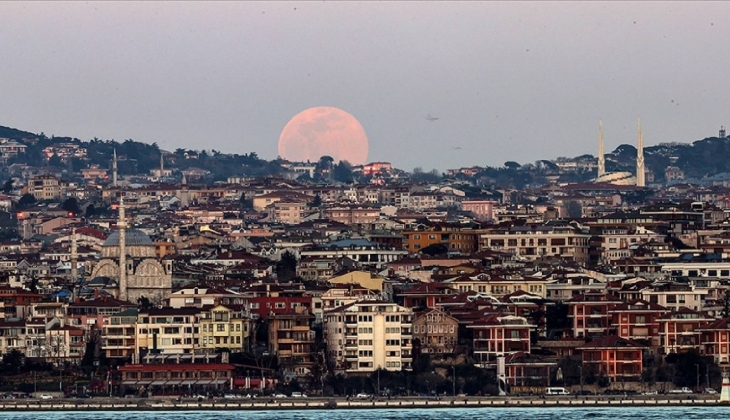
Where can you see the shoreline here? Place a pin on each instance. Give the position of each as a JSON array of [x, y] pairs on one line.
[[159, 404]]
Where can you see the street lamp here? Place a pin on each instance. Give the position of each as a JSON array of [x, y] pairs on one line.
[[580, 367], [698, 377], [453, 381], [378, 380]]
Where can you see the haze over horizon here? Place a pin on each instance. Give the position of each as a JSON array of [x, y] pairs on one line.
[[507, 81]]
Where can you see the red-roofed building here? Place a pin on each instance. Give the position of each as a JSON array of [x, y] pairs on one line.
[[424, 295], [617, 358], [588, 313], [637, 320], [679, 331], [715, 338], [500, 334]]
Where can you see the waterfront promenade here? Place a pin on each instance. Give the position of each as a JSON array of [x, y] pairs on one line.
[[168, 404]]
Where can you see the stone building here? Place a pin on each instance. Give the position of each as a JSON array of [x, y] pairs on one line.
[[145, 274]]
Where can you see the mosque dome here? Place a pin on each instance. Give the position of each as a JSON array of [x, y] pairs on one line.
[[133, 237]]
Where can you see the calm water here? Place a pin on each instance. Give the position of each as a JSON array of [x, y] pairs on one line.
[[618, 413]]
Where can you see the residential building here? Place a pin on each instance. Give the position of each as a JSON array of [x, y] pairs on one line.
[[617, 358], [291, 339], [498, 335], [679, 331], [436, 331], [365, 336], [223, 326]]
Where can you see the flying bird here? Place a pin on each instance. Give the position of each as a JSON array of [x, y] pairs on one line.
[[430, 118], [457, 148]]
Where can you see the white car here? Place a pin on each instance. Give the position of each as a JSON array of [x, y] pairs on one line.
[[362, 395], [279, 396], [231, 396], [710, 391], [683, 390], [46, 397], [298, 395]]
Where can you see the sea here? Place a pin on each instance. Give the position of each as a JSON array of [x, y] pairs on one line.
[[547, 413]]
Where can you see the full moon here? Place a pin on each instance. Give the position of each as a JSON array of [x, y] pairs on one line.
[[324, 131]]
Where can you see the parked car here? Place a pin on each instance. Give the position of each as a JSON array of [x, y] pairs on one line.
[[362, 395], [298, 395], [231, 396], [683, 390], [710, 391], [279, 396], [650, 393], [46, 397]]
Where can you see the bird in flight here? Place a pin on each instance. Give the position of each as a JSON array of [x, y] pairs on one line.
[[431, 118]]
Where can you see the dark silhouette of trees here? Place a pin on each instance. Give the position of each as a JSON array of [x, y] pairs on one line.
[[26, 201]]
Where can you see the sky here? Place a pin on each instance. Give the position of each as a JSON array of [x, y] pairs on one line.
[[517, 81]]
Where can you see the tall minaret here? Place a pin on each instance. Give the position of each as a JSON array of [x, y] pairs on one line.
[[114, 169], [601, 153], [74, 257], [162, 164], [640, 158], [122, 225]]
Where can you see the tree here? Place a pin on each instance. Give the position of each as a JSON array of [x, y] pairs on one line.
[[343, 172], [26, 201], [55, 161], [574, 210], [145, 303], [316, 202], [90, 210], [435, 249], [8, 186], [71, 205], [286, 268], [512, 165], [419, 175]]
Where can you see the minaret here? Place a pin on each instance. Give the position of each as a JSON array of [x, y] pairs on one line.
[[162, 164], [601, 154], [640, 158], [114, 169], [74, 257], [122, 225], [74, 264]]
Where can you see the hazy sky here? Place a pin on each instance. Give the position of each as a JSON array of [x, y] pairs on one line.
[[508, 81]]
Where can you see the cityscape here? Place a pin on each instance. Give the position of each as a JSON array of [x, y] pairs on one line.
[[325, 278], [364, 210]]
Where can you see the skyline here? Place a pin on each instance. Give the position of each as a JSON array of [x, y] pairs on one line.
[[230, 76]]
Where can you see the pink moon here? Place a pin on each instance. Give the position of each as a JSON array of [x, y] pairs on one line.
[[324, 131]]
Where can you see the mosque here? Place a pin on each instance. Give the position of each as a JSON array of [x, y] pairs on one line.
[[144, 273], [621, 178]]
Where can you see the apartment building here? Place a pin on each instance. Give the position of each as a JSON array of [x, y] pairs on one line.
[[679, 331], [436, 331], [588, 313], [365, 336], [168, 331], [223, 326], [119, 335], [500, 334], [534, 241], [292, 340]]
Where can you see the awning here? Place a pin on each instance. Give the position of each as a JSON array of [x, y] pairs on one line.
[[219, 381], [157, 383], [130, 382], [188, 382]]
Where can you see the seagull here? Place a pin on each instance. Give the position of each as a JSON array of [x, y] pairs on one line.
[[430, 118], [457, 148]]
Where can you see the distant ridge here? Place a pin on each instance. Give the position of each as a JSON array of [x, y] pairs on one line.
[[15, 134]]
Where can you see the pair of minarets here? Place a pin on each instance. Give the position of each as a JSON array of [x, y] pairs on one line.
[[640, 178]]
